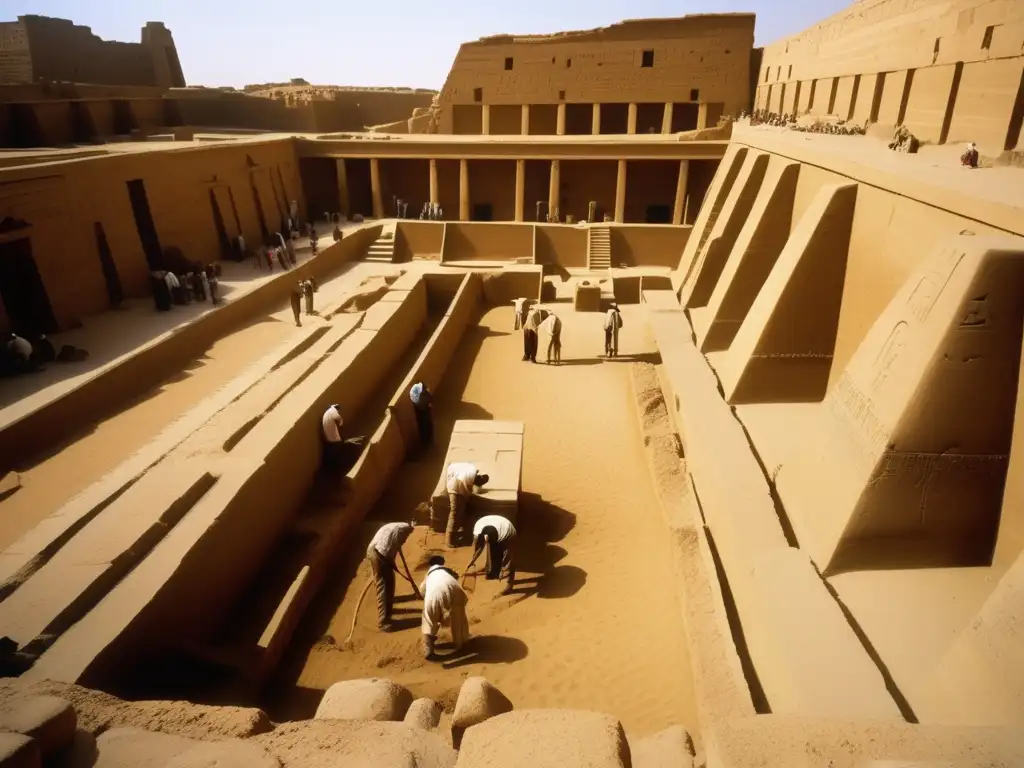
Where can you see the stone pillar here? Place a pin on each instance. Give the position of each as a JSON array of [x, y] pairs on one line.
[[702, 115], [560, 124], [620, 192], [378, 202], [486, 115], [524, 121], [343, 198], [520, 188], [434, 197], [595, 121], [554, 188], [666, 121], [631, 120], [679, 210], [463, 190]]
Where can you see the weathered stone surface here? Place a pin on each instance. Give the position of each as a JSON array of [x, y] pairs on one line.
[[47, 719], [424, 714], [369, 699], [478, 700], [671, 748], [19, 751], [332, 743], [546, 738], [224, 754], [136, 748]]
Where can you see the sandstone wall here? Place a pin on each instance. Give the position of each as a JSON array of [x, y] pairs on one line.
[[418, 240], [951, 71], [465, 241], [15, 58]]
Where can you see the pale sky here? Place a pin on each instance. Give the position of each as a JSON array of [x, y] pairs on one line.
[[374, 42]]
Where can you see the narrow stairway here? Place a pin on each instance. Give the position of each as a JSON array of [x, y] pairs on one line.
[[383, 249], [600, 256]]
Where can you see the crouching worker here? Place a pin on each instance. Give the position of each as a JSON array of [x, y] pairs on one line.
[[339, 455], [461, 480], [384, 548], [444, 602], [498, 535]]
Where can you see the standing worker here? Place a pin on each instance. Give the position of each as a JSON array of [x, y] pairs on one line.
[[522, 307], [534, 318], [553, 327], [612, 324], [461, 480], [296, 299], [386, 545], [499, 536], [444, 602], [422, 402], [307, 294]]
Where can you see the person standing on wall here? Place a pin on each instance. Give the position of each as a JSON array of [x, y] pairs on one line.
[[553, 327], [385, 546], [498, 535], [612, 325], [296, 299], [444, 602], [461, 480], [422, 404]]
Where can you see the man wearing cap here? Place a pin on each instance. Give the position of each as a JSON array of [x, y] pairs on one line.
[[461, 480], [385, 546]]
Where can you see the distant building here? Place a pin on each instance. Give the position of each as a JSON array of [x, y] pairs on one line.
[[36, 48]]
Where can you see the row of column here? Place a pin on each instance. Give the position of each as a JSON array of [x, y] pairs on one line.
[[554, 189], [595, 120]]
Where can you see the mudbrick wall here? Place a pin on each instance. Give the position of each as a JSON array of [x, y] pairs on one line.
[[951, 71]]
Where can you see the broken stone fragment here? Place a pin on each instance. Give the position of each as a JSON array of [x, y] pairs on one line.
[[49, 720], [369, 699], [478, 700], [424, 714], [671, 748]]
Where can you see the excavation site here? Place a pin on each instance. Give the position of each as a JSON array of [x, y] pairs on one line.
[[657, 415]]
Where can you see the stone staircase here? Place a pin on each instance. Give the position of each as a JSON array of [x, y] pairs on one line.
[[600, 249], [383, 249]]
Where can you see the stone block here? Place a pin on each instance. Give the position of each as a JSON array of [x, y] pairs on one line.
[[546, 738], [424, 714], [478, 700], [587, 298], [136, 748], [671, 748], [49, 720], [369, 699], [19, 751]]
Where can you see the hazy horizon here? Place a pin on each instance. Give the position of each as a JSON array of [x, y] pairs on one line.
[[398, 44]]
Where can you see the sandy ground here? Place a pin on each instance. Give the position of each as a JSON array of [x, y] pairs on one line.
[[51, 480], [594, 622]]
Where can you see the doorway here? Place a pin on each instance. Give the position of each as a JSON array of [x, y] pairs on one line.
[[22, 290], [218, 223], [144, 223], [115, 293], [659, 214], [483, 212]]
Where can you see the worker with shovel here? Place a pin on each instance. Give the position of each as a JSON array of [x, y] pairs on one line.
[[497, 535], [384, 548]]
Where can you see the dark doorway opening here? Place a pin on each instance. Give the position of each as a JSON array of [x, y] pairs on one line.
[[1016, 118], [360, 192], [124, 118], [22, 290], [25, 130], [115, 293], [483, 212], [83, 130], [218, 222], [659, 214], [172, 113], [684, 116], [234, 211], [144, 223]]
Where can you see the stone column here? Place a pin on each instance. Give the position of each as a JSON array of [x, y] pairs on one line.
[[679, 210], [378, 201], [595, 121], [486, 115], [464, 190], [554, 188], [520, 188], [434, 197], [343, 198], [631, 120], [560, 123], [524, 121], [666, 121], [620, 193], [702, 115]]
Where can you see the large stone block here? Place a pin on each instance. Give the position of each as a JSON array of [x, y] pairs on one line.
[[478, 700], [370, 699], [136, 748], [546, 738], [671, 748], [424, 714], [49, 720], [19, 751]]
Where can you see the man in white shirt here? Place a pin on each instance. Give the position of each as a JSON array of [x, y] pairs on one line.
[[553, 328], [534, 318], [462, 478], [339, 453], [385, 546], [444, 602], [612, 324], [498, 535], [522, 307]]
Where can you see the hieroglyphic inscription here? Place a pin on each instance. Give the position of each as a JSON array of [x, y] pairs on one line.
[[854, 413], [928, 290], [888, 355]]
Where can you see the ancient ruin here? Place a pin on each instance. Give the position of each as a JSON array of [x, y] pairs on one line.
[[765, 507]]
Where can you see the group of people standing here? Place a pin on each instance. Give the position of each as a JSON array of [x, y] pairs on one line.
[[170, 288], [303, 293], [533, 320]]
